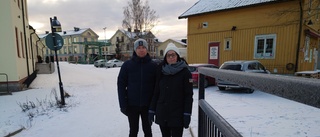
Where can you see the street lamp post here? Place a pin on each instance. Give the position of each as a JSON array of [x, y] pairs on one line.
[[56, 27], [105, 38]]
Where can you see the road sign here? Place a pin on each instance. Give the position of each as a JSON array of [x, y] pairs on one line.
[[49, 41]]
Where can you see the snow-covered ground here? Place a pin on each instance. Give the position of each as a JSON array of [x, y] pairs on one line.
[[93, 109]]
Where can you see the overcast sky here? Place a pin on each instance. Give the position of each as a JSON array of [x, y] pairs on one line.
[[97, 14]]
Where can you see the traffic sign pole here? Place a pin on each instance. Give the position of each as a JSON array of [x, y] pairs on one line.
[[54, 29]]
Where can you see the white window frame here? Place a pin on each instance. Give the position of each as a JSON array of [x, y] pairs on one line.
[[226, 42], [264, 54]]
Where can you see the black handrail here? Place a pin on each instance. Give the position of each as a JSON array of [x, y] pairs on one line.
[[210, 122], [213, 124], [7, 82]]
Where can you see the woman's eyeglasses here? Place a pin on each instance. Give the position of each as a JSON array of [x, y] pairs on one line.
[[173, 55]]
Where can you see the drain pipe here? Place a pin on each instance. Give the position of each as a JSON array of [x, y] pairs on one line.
[[32, 57], [25, 36], [299, 36], [37, 47]]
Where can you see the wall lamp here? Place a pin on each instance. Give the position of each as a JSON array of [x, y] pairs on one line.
[[234, 28], [310, 22]]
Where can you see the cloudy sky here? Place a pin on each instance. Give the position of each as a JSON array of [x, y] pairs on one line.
[[97, 14]]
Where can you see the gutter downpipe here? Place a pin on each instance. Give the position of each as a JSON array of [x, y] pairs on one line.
[[37, 47], [32, 49], [299, 36], [25, 36]]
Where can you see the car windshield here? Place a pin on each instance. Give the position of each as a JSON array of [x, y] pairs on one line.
[[192, 69], [231, 67]]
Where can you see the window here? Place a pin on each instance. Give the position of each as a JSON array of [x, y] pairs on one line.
[[74, 39], [306, 48], [161, 53], [17, 43], [65, 50], [227, 44], [265, 46], [252, 66], [19, 4]]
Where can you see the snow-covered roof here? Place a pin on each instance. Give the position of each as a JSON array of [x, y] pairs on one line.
[[179, 41], [205, 6], [67, 32], [131, 34]]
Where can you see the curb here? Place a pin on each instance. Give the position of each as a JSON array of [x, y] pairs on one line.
[[15, 132]]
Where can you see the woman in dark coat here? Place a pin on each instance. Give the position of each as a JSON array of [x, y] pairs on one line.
[[172, 100]]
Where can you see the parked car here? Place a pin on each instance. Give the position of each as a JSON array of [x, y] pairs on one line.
[[100, 63], [158, 61], [114, 63], [251, 66], [193, 68]]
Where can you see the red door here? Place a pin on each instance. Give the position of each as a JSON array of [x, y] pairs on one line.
[[214, 53]]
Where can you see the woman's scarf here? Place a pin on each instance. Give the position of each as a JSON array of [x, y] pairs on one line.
[[171, 69]]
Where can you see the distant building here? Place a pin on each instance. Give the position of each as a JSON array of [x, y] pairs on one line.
[[270, 31], [180, 44], [124, 39], [71, 51]]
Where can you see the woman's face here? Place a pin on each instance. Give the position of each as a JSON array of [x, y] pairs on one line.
[[171, 57]]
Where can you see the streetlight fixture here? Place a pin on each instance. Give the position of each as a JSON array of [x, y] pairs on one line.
[[105, 40], [56, 27]]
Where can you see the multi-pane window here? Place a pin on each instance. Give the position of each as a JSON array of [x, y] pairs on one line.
[[265, 46]]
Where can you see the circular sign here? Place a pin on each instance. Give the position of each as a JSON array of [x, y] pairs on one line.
[[58, 39]]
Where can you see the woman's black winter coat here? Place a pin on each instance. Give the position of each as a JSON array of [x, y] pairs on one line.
[[172, 97], [136, 82]]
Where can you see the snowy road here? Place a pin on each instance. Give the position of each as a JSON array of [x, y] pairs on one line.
[[93, 109]]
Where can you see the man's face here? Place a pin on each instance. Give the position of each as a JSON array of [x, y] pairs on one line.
[[141, 51]]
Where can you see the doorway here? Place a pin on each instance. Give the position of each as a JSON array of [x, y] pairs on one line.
[[213, 57]]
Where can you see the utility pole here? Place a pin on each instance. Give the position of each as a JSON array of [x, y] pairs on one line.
[[105, 38], [56, 27]]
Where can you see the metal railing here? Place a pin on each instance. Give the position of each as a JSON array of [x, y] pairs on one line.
[[210, 122], [7, 81]]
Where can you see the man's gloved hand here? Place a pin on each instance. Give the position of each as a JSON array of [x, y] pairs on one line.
[[151, 117], [124, 111], [186, 120]]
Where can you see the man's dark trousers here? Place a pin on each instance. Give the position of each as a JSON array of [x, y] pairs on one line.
[[133, 113]]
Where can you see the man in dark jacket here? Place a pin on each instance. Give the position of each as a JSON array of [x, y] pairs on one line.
[[136, 82]]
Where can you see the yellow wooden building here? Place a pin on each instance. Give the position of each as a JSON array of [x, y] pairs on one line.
[[282, 35]]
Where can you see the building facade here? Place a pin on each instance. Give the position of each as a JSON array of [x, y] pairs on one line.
[[283, 35], [180, 44], [19, 46], [124, 39], [74, 49]]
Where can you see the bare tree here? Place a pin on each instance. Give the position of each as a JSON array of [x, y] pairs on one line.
[[139, 16]]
